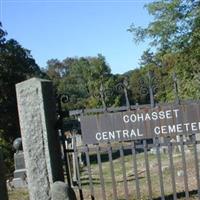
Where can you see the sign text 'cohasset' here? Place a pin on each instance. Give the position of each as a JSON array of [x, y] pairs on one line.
[[140, 124], [140, 117]]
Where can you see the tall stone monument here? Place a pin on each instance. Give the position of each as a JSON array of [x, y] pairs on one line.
[[37, 116]]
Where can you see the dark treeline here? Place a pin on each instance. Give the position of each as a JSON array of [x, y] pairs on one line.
[[175, 47], [16, 65]]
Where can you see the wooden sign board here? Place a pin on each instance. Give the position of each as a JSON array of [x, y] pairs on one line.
[[141, 123]]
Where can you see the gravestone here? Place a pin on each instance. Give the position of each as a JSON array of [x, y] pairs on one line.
[[3, 189], [19, 179], [42, 154]]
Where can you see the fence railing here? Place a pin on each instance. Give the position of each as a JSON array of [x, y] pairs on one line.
[[147, 169]]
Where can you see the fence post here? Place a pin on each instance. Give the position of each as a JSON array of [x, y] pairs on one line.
[[42, 154], [3, 189]]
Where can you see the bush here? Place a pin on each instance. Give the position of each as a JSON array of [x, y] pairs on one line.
[[7, 150]]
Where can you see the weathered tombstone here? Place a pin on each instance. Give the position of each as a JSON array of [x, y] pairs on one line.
[[3, 189], [37, 116], [19, 179]]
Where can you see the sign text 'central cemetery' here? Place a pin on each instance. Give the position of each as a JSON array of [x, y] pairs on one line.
[[141, 123]]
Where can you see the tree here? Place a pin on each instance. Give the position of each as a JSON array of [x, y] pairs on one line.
[[16, 65], [82, 80], [175, 33], [173, 26]]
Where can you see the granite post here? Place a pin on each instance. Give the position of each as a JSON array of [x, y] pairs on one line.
[[3, 189], [42, 154]]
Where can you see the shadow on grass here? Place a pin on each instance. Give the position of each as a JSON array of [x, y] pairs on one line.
[[105, 156], [97, 181], [179, 195]]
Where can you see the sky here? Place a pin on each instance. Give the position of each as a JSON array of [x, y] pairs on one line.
[[57, 29]]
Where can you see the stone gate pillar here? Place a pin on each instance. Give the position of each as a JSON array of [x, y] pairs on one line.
[[37, 116]]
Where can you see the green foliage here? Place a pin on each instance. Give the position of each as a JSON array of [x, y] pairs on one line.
[[7, 151], [81, 78], [16, 65], [175, 33], [173, 25]]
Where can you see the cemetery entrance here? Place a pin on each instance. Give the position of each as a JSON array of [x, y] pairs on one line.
[[137, 153], [134, 152]]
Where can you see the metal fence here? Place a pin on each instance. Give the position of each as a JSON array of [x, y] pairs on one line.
[[148, 168], [157, 169], [162, 167]]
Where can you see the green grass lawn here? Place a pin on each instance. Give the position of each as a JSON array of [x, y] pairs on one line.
[[128, 161], [154, 175], [18, 194]]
